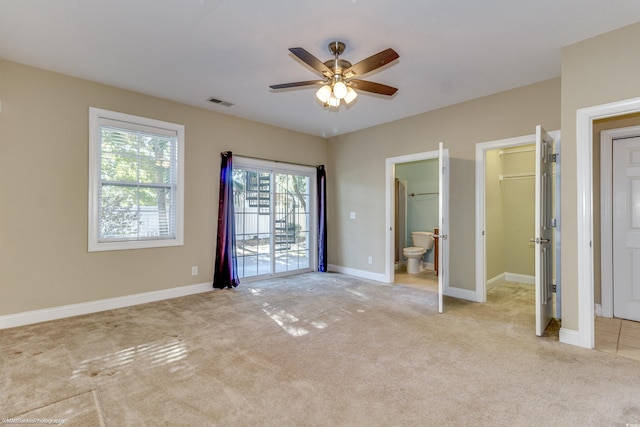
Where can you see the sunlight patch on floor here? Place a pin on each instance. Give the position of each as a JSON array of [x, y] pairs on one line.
[[146, 355]]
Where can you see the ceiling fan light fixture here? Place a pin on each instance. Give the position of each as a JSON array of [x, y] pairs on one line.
[[323, 94], [351, 95], [338, 75], [333, 102], [340, 90]]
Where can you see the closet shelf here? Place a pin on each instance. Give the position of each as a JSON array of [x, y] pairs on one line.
[[508, 177], [517, 150]]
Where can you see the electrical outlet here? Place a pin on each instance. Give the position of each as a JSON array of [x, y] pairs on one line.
[[370, 260], [194, 270], [352, 215]]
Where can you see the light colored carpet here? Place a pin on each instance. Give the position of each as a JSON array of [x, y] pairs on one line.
[[313, 350]]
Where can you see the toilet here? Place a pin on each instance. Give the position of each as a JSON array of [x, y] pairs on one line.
[[422, 242]]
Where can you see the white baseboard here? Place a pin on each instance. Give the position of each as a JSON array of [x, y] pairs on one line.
[[520, 278], [491, 283], [53, 313], [598, 310], [511, 277], [459, 293], [569, 336], [358, 273]]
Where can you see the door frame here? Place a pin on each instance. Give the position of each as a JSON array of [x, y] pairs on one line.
[[606, 213], [275, 167], [481, 158], [585, 335], [390, 170]]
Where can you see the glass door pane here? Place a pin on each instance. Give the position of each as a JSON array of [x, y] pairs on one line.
[[252, 204], [291, 222]]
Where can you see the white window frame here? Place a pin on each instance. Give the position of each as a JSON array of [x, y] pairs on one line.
[[96, 116]]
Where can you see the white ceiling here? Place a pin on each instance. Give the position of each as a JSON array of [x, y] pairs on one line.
[[191, 50]]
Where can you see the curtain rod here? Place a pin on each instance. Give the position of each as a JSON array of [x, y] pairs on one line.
[[278, 161]]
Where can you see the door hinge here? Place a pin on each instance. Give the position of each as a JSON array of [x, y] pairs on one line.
[[554, 288], [554, 158]]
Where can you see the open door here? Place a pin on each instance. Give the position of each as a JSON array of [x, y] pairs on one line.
[[543, 229], [443, 265]]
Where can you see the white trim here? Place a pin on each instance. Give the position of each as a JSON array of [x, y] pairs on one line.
[[390, 173], [275, 167], [584, 159], [96, 116], [520, 278], [606, 213], [598, 310], [358, 273], [481, 156], [569, 336], [494, 281], [60, 312], [525, 279], [460, 293]]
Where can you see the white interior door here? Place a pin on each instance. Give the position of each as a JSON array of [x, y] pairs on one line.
[[543, 230], [626, 228], [443, 264]]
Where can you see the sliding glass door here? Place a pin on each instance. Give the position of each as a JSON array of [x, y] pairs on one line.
[[275, 219]]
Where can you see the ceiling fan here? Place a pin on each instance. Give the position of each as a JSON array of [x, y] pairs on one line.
[[340, 77]]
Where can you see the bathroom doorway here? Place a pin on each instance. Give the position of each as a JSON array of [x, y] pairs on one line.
[[413, 204], [416, 199]]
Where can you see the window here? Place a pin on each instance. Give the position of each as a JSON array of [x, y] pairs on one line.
[[136, 169]]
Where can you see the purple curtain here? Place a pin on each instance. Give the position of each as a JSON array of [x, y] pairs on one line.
[[226, 268], [322, 218]]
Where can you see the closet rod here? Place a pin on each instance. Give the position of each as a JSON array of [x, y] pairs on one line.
[[507, 177], [422, 194]]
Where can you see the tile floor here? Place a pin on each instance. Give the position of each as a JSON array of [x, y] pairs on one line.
[[426, 279], [618, 336]]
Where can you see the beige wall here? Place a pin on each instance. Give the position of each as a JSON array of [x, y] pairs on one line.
[[518, 203], [44, 179], [357, 171], [595, 71]]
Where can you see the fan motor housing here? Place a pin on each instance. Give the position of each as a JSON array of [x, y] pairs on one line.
[[338, 65]]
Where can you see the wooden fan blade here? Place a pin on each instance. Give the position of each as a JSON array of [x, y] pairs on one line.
[[310, 60], [372, 87], [296, 84], [373, 62]]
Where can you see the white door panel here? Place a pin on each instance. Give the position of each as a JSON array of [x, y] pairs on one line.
[[443, 265], [626, 228], [543, 229]]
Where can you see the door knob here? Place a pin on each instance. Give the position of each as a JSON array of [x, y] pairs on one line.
[[538, 240]]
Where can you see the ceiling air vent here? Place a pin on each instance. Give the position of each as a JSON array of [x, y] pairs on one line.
[[220, 102]]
